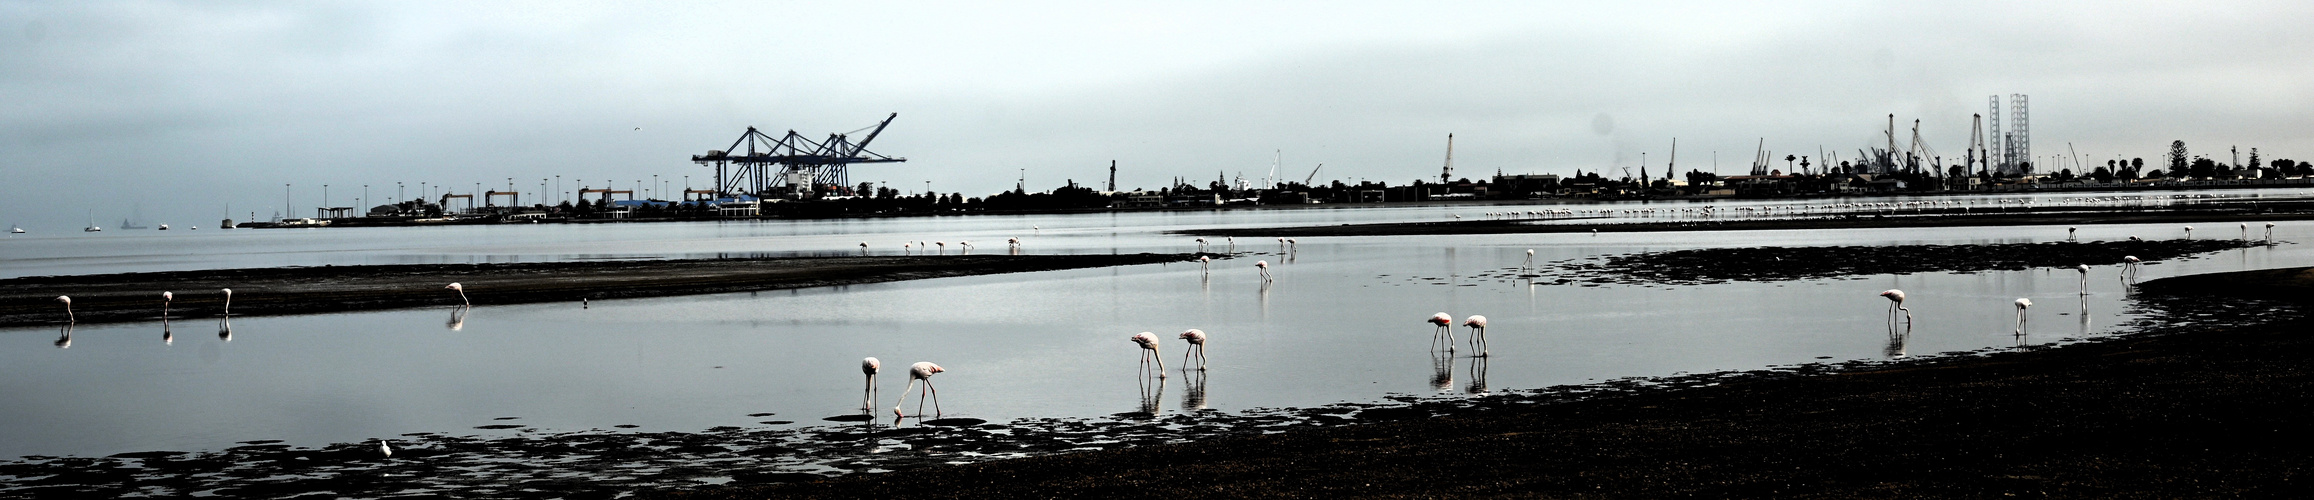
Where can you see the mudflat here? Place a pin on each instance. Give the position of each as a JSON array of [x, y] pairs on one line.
[[304, 290]]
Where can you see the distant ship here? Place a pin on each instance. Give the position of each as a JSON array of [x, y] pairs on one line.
[[125, 224]]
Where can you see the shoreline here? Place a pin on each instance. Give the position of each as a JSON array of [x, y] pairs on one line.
[[128, 297], [2244, 212]]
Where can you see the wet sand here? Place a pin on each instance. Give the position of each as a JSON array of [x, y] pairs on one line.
[[2206, 400], [306, 290], [2235, 211]]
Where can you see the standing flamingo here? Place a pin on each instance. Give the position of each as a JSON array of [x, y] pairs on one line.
[[1148, 342], [1530, 259], [166, 297], [1445, 323], [1201, 245], [1896, 303], [908, 248], [943, 247], [870, 366], [1233, 241], [228, 301], [2269, 231], [1293, 245], [2069, 231], [1014, 243], [2021, 305], [922, 370], [2128, 265], [1204, 264], [1196, 340], [2189, 232], [2245, 231], [68, 317], [2084, 269], [863, 248], [1264, 265], [963, 246], [461, 293], [1477, 326]]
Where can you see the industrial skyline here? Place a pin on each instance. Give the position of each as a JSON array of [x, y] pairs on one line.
[[191, 108]]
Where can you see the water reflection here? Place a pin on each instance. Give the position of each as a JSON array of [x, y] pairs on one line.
[[1442, 371], [1898, 337], [1152, 391], [64, 341], [1193, 397], [457, 318], [225, 328], [1477, 376], [167, 338]]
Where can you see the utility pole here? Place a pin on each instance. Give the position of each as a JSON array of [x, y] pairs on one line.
[[1112, 176]]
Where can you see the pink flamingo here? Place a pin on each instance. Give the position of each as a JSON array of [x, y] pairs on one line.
[[1264, 265], [1896, 303], [922, 370], [68, 317], [1148, 342], [1530, 259], [1477, 326], [461, 293], [943, 247], [863, 248], [228, 301], [1204, 264], [2022, 304], [2084, 268], [1014, 243], [165, 298], [1196, 340], [870, 366], [2128, 265], [1445, 323]]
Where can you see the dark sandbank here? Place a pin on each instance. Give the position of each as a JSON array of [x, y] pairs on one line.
[[2229, 211], [305, 290]]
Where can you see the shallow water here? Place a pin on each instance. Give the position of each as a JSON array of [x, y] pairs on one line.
[[1340, 322]]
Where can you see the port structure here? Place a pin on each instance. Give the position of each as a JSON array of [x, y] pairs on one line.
[[513, 199], [607, 193], [791, 166]]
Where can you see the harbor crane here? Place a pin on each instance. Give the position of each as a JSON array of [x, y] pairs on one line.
[[1313, 175], [801, 165]]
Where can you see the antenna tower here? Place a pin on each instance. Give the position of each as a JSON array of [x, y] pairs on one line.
[[1447, 175]]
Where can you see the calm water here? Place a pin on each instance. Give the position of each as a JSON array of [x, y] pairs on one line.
[[1342, 322]]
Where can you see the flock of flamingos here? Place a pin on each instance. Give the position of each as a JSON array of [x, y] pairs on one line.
[[1441, 338]]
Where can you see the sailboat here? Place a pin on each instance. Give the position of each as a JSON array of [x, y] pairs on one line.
[[92, 223], [15, 229]]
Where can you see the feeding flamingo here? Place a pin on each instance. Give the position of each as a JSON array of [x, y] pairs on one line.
[[1896, 303], [1530, 259], [1196, 340], [1201, 245], [1477, 326], [2189, 232], [1204, 264], [1148, 342], [1264, 265], [228, 301], [869, 366], [166, 297], [2022, 304], [461, 293], [1445, 330], [2128, 265], [922, 370], [2084, 268], [68, 317], [963, 246], [943, 247]]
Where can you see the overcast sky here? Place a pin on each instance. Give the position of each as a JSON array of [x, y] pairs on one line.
[[186, 109]]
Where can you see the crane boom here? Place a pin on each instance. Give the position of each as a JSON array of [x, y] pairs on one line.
[[1313, 174]]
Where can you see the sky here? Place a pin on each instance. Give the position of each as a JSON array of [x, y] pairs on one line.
[[190, 112]]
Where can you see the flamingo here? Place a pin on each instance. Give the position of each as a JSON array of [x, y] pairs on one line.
[[68, 317], [2084, 268], [2269, 230], [2021, 305], [943, 247], [1196, 340], [461, 293], [2245, 231], [1037, 229], [1477, 326], [385, 451], [2069, 231], [228, 301], [1594, 232], [1201, 245], [863, 248], [1233, 240], [869, 366], [2135, 238], [2128, 265], [2189, 232], [1014, 243], [963, 246], [1264, 265], [1896, 303], [1281, 244], [65, 341], [1148, 342], [1445, 324], [1530, 259], [1293, 245], [922, 370], [908, 248], [1204, 264], [165, 298]]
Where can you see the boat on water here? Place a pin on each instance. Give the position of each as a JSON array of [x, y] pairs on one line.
[[14, 229], [303, 222], [164, 227], [125, 224]]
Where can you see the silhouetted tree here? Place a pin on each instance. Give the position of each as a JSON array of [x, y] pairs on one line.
[[2177, 156]]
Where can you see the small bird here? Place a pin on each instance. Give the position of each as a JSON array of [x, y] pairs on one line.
[[1196, 340], [68, 317], [922, 370], [461, 293], [1148, 343], [2022, 304], [1445, 323], [1477, 326], [870, 366], [1264, 265], [1896, 303], [166, 297]]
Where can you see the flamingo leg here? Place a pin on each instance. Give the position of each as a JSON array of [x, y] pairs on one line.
[[1200, 357], [1185, 358], [904, 398], [928, 389]]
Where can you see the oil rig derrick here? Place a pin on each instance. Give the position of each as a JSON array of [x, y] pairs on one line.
[[791, 166]]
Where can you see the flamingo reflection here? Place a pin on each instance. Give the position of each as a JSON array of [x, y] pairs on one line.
[[1477, 376], [1152, 393], [65, 341], [457, 319], [225, 329], [1897, 338], [1193, 397], [1442, 371], [167, 338]]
